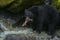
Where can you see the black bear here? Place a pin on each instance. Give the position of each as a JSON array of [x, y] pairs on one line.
[[44, 15]]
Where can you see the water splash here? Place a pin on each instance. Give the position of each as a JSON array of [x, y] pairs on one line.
[[3, 27]]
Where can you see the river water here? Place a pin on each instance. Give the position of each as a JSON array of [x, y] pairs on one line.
[[27, 33]]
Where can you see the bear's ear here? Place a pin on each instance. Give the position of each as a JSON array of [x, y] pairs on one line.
[[48, 2]]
